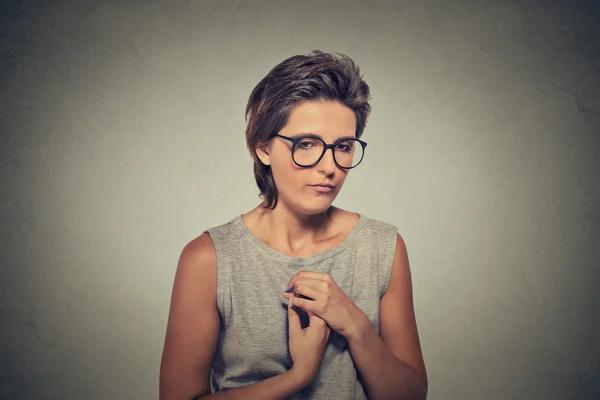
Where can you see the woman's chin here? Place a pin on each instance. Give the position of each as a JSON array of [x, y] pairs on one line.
[[318, 205], [311, 205]]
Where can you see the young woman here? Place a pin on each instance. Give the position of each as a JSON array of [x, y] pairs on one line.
[[297, 298]]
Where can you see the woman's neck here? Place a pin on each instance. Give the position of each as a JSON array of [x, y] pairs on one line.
[[284, 229]]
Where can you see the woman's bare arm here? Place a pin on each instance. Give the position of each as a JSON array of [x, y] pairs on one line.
[[278, 387], [193, 326], [391, 364], [193, 333]]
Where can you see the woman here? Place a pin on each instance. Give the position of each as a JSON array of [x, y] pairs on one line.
[[297, 298]]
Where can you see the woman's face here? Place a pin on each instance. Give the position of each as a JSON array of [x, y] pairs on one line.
[[330, 121]]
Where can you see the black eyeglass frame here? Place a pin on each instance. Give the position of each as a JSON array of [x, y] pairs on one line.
[[326, 146]]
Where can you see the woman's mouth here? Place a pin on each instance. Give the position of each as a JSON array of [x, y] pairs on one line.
[[322, 189]]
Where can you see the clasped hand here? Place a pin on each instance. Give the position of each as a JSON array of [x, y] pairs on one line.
[[325, 299]]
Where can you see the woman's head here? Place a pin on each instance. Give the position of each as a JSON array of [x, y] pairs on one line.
[[321, 94]]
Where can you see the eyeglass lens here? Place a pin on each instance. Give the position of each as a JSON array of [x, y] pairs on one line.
[[348, 153]]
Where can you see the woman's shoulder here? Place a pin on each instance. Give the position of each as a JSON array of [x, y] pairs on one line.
[[226, 228], [382, 228], [371, 232], [370, 223], [214, 240], [199, 250], [203, 246]]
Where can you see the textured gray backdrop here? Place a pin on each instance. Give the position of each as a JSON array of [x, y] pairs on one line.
[[122, 139]]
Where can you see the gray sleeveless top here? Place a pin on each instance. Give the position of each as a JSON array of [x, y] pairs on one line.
[[251, 278]]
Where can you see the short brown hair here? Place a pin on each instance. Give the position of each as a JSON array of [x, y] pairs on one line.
[[316, 76]]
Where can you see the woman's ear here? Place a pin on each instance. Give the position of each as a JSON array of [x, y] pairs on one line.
[[262, 151]]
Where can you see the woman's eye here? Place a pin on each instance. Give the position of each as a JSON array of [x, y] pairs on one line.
[[344, 147], [306, 144]]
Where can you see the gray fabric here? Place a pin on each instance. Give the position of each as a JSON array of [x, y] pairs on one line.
[[251, 278]]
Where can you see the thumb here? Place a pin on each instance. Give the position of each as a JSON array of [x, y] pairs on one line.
[[314, 318], [293, 318]]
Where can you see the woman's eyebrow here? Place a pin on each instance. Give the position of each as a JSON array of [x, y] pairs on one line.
[[310, 134]]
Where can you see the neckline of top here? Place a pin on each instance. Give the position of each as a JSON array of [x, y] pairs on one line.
[[239, 222]]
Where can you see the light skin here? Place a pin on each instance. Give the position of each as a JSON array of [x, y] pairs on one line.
[[303, 223], [390, 364], [303, 220]]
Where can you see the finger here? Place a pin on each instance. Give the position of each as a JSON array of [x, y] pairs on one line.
[[304, 281], [290, 295], [293, 318], [291, 283], [305, 304], [322, 285], [307, 290], [312, 316], [309, 274], [315, 321]]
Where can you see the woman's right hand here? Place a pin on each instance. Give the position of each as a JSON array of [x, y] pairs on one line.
[[307, 345]]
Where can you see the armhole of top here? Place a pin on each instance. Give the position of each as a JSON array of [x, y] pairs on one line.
[[389, 251], [214, 386], [219, 271]]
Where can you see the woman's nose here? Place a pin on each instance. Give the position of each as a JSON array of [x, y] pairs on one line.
[[327, 163]]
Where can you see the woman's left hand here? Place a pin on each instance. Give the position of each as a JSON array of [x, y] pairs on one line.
[[327, 301]]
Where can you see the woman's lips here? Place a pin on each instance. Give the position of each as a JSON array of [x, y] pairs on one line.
[[322, 189]]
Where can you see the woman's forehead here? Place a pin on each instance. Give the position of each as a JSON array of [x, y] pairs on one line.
[[327, 119]]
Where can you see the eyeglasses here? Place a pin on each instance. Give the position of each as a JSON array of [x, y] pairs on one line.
[[307, 151]]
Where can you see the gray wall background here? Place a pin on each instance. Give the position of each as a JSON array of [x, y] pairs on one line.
[[122, 139]]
